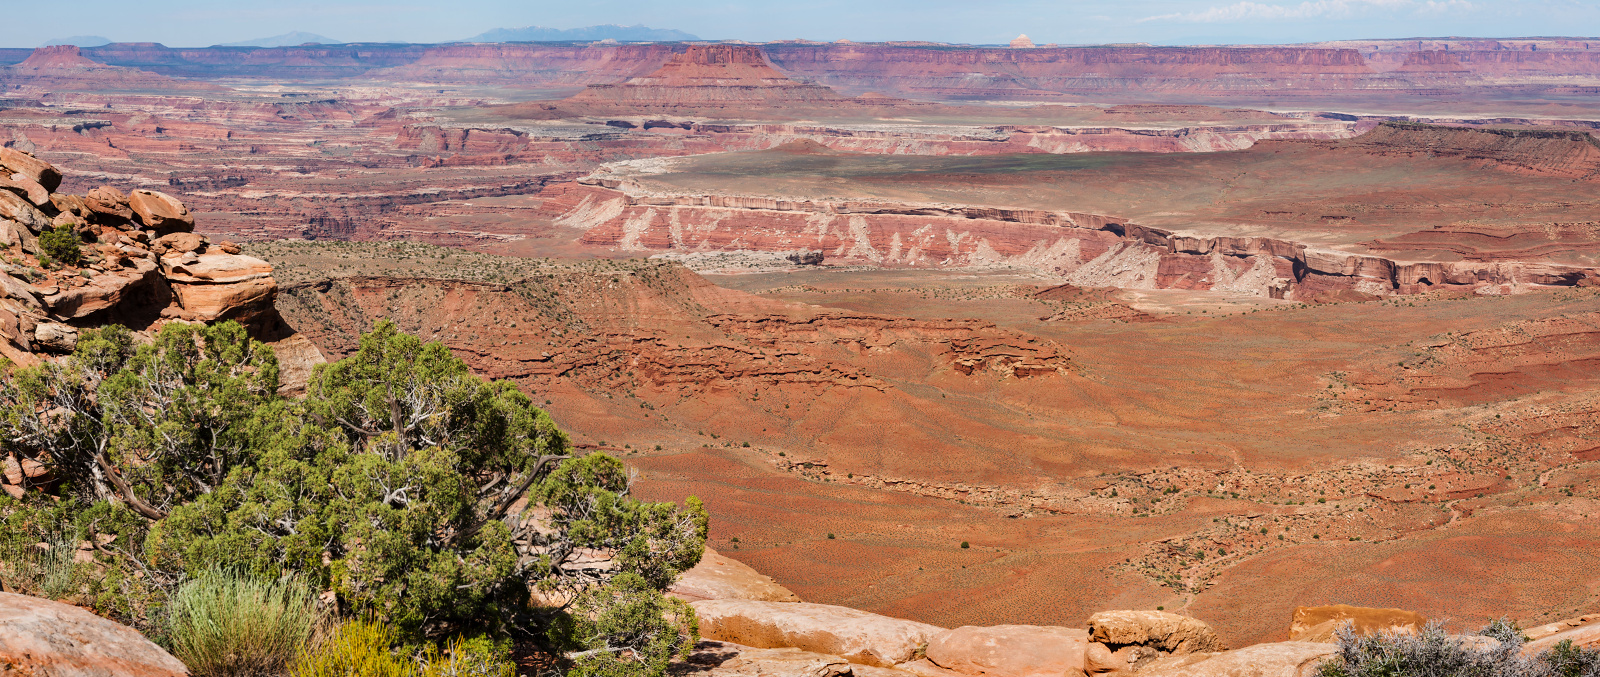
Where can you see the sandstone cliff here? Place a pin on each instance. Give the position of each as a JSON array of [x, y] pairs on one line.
[[1079, 248], [137, 263], [63, 67]]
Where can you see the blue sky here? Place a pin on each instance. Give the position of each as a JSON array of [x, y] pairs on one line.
[[206, 22]]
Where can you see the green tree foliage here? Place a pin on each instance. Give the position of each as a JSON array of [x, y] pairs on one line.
[[62, 244], [421, 495], [148, 426]]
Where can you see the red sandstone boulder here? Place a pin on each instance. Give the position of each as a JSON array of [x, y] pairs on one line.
[[181, 242], [858, 636], [1280, 659], [160, 212], [42, 638], [36, 170], [1098, 659], [213, 286], [26, 187], [718, 577], [13, 234], [17, 208], [108, 201], [1319, 623], [1011, 650], [55, 337], [1164, 632], [71, 204]]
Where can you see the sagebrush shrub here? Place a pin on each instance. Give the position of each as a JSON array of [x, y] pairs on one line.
[[1433, 652]]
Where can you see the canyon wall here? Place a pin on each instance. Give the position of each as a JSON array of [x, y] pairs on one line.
[[1083, 249], [930, 71]]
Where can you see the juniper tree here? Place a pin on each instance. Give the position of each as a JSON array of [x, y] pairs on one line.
[[415, 491]]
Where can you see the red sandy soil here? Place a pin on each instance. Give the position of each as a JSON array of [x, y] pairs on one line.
[[1197, 448], [1209, 429]]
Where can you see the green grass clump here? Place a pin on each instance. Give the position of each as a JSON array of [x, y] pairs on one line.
[[47, 570], [225, 623]]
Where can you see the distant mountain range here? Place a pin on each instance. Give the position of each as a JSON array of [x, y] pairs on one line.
[[286, 40], [585, 34], [79, 40]]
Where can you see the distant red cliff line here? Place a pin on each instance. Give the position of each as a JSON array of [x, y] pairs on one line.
[[913, 70]]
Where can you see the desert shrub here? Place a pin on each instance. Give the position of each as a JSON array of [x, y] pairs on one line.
[[1566, 660], [626, 630], [1504, 630], [1432, 652], [469, 657], [227, 623], [362, 648], [391, 484], [62, 244]]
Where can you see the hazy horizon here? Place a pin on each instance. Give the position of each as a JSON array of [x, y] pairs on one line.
[[193, 23]]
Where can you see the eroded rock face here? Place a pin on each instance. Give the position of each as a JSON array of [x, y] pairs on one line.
[[719, 577], [217, 286], [1280, 659], [1320, 623], [140, 266], [1164, 632], [1011, 650], [108, 201], [857, 636], [45, 638]]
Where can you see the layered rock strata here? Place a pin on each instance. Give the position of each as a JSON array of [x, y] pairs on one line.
[[59, 67], [1368, 69], [1080, 248], [734, 76]]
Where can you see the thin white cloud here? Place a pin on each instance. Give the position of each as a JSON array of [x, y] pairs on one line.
[[1246, 10]]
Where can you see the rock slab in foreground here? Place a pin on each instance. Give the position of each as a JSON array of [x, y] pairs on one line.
[[1164, 632], [42, 638], [857, 636], [723, 659], [1319, 623], [1011, 650], [1280, 659]]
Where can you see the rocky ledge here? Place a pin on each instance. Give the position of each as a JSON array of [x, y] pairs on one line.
[[136, 262], [756, 628]]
